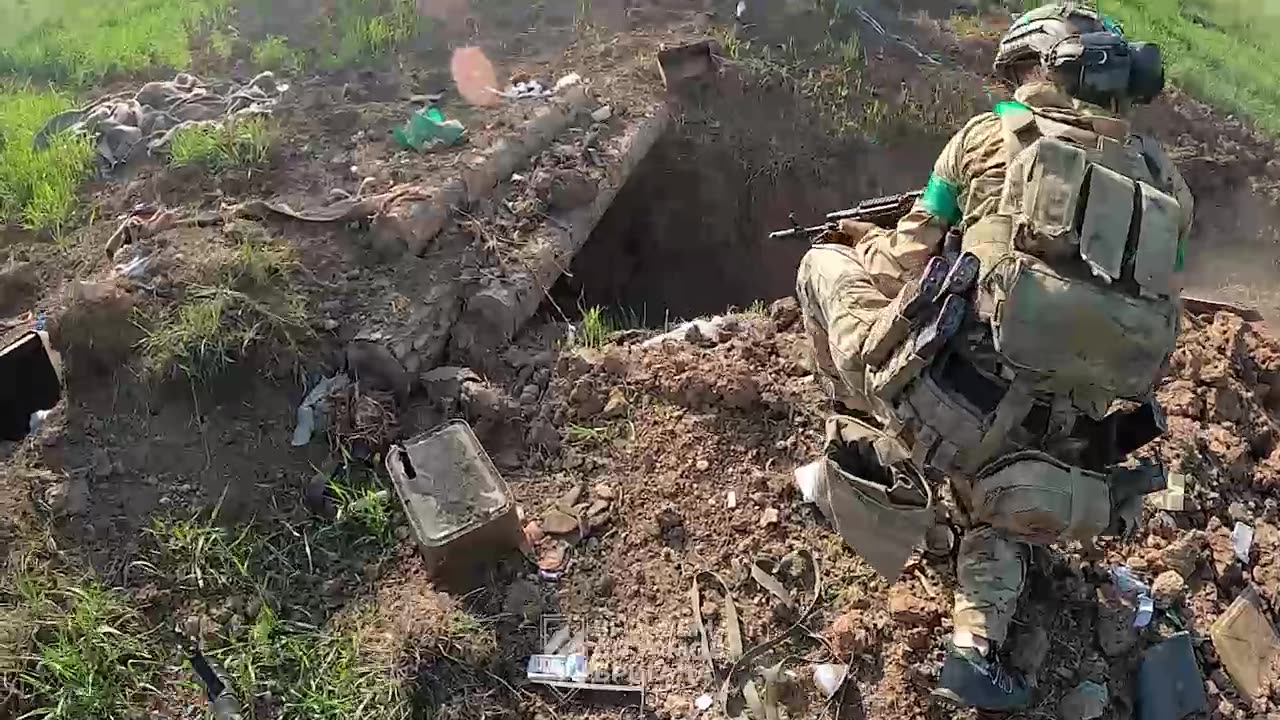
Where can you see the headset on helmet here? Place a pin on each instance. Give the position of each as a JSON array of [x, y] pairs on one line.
[[1085, 53]]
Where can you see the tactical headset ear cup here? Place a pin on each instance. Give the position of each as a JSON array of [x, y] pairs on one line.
[[1146, 72]]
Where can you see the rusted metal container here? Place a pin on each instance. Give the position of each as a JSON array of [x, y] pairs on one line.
[[458, 505]]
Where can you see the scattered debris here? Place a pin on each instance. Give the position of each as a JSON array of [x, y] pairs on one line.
[[1247, 645], [532, 89], [829, 678], [731, 500], [808, 477], [704, 702], [525, 90], [1087, 701], [1174, 497], [682, 63], [427, 130], [134, 268], [1170, 684], [1136, 591], [314, 412], [557, 668], [149, 118], [769, 517], [602, 114], [1242, 541], [458, 506], [1183, 554], [143, 221], [713, 330]]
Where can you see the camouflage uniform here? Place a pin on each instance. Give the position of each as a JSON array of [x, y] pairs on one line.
[[841, 288]]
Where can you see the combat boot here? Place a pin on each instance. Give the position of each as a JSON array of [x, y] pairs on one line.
[[970, 679]]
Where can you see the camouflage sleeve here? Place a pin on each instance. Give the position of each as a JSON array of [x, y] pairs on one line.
[[894, 256]]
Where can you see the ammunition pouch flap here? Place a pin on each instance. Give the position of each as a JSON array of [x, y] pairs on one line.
[[1078, 334], [872, 495], [1033, 496]]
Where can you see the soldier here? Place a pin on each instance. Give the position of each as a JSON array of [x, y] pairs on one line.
[[1079, 227]]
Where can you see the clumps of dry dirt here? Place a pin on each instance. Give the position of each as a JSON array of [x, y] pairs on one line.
[[1221, 397], [694, 441], [687, 447]]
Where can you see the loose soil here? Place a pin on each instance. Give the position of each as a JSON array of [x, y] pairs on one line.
[[635, 466]]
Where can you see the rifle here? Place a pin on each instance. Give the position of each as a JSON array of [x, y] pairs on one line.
[[883, 211]]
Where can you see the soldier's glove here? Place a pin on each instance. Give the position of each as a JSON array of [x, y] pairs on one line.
[[1129, 489]]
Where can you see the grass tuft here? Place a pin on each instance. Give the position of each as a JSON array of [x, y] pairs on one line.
[[596, 329], [274, 54], [38, 187], [237, 143], [80, 41], [244, 302], [364, 502], [367, 31], [201, 555], [87, 653]]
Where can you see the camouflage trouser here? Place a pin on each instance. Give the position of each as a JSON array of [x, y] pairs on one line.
[[839, 300]]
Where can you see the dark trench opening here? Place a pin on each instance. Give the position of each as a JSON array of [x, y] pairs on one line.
[[687, 235]]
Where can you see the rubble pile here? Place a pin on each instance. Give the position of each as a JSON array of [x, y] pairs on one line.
[[699, 432]]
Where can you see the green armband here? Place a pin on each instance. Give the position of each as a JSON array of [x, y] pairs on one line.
[[941, 200]]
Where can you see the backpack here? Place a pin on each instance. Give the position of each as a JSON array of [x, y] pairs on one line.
[[1077, 299], [1078, 282]]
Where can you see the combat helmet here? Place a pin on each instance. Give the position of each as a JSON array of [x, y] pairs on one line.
[[1084, 52]]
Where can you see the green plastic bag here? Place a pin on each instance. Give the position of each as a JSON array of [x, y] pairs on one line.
[[428, 130]]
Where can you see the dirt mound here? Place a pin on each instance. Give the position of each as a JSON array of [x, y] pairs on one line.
[[692, 441]]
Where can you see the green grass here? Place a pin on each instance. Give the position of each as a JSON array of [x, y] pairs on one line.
[[244, 142], [243, 302], [79, 41], [1221, 51], [367, 31], [317, 673], [274, 53], [364, 503], [596, 329], [202, 555], [38, 187], [344, 669], [220, 44], [88, 653]]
